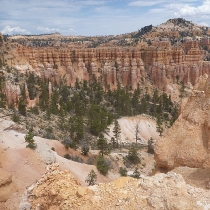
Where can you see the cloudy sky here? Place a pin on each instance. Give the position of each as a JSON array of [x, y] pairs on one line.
[[95, 17]]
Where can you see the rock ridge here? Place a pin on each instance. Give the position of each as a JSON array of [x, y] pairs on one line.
[[59, 189]]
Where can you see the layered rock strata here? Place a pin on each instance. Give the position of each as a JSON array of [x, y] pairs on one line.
[[129, 66]]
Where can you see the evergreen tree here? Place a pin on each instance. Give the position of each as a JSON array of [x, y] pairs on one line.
[[150, 147], [91, 178], [102, 144], [29, 138], [132, 155], [22, 107], [102, 166], [116, 131], [113, 142], [76, 128]]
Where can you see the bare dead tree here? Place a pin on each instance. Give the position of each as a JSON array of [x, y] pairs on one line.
[[137, 131]]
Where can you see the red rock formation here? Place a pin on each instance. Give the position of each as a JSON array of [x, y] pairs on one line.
[[12, 91], [129, 66]]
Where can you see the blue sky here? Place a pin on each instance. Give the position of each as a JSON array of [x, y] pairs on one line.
[[95, 17]]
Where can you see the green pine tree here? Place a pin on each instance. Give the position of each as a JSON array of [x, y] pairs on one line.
[[29, 138], [102, 166], [102, 144], [116, 131], [91, 178]]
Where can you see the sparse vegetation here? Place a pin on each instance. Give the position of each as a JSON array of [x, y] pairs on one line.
[[16, 117], [75, 158], [102, 165], [150, 148], [85, 148], [87, 109], [132, 155], [29, 138], [136, 174], [123, 171], [91, 178], [102, 144]]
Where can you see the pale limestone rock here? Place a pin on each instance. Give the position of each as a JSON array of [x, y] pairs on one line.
[[59, 190]]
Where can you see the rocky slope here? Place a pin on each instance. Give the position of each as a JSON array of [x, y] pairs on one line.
[[21, 166], [187, 142], [147, 129], [59, 190]]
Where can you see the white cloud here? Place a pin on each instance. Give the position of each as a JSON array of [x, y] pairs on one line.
[[94, 17], [144, 3], [92, 2], [47, 30], [14, 30], [188, 10], [203, 24]]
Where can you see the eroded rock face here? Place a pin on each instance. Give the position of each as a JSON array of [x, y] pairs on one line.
[[59, 190], [161, 63], [187, 143], [129, 66], [12, 91]]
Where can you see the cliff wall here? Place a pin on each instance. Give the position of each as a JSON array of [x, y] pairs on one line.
[[160, 62]]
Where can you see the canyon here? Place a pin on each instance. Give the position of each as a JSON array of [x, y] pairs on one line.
[[170, 58], [159, 62], [153, 54]]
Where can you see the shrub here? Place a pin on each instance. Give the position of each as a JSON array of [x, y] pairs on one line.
[[85, 149], [136, 174], [34, 110], [123, 171], [150, 148], [74, 158], [133, 155], [67, 156], [77, 159], [91, 178], [68, 142], [15, 118], [102, 166], [91, 160]]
